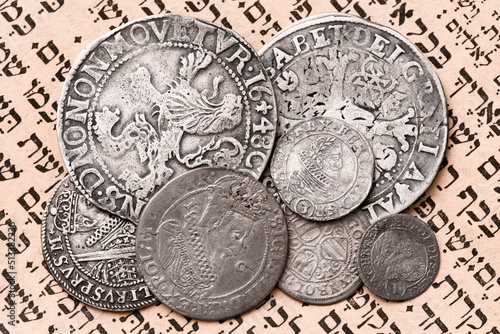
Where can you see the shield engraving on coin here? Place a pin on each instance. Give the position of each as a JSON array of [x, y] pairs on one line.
[[156, 98], [91, 253], [374, 79], [212, 243], [322, 168], [398, 257], [321, 267]]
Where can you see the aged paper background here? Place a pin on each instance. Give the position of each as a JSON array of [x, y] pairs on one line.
[[39, 40]]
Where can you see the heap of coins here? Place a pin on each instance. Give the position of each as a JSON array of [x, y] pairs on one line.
[[166, 125]]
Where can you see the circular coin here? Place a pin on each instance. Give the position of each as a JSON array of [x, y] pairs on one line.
[[212, 243], [322, 168], [398, 257], [373, 78], [91, 253], [321, 266], [157, 97]]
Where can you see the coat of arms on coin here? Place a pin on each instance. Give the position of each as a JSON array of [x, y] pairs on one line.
[[157, 97], [322, 256], [212, 243], [91, 253]]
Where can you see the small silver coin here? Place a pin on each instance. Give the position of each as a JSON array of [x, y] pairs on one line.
[[212, 243], [376, 80], [398, 257], [322, 168], [156, 98], [321, 265], [91, 253]]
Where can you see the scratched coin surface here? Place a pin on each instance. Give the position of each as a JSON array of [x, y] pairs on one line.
[[158, 97], [321, 266], [373, 78], [212, 243], [398, 257], [322, 168], [91, 253]]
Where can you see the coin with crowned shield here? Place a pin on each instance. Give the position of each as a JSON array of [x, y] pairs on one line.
[[156, 98], [377, 81], [91, 253], [322, 256], [212, 243]]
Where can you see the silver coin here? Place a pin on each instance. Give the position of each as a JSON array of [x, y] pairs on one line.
[[158, 97], [373, 78], [91, 253], [321, 266], [212, 243], [322, 168], [398, 257]]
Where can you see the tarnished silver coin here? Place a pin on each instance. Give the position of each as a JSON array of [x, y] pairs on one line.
[[158, 97], [398, 257], [212, 243], [373, 78], [321, 266], [322, 168], [91, 253]]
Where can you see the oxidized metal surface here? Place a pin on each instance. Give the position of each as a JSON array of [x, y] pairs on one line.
[[373, 78], [91, 253], [212, 243], [398, 257], [321, 265], [322, 168], [157, 97]]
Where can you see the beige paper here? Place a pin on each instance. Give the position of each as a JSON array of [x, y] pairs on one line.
[[39, 40]]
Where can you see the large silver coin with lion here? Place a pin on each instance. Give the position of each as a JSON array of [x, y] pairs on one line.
[[374, 79], [91, 253], [157, 97], [212, 243]]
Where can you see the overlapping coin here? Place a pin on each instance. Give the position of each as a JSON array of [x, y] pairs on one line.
[[157, 97], [374, 79], [322, 168], [212, 243], [321, 265], [91, 253], [398, 257]]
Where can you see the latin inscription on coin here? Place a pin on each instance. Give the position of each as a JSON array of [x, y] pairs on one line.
[[374, 79], [321, 265], [156, 98], [322, 168], [91, 253], [212, 243], [398, 257]]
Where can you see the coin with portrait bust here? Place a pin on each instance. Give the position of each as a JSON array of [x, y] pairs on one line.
[[377, 81], [398, 257], [91, 253], [212, 243], [158, 97], [322, 168]]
